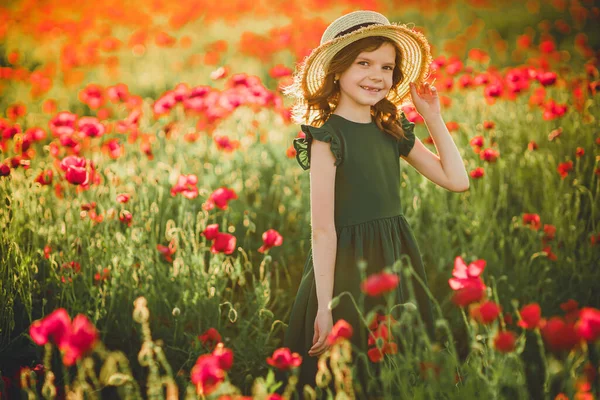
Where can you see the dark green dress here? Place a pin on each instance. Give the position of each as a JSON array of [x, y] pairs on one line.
[[370, 225]]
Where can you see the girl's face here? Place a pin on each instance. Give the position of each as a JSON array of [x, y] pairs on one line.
[[369, 78]]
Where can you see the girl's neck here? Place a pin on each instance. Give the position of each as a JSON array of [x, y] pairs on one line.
[[359, 116]]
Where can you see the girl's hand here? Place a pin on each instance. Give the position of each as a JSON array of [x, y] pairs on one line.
[[323, 326], [426, 100]]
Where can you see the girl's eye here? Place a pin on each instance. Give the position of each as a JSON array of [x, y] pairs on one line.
[[389, 68]]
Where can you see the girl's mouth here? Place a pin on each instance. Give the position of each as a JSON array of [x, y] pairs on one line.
[[369, 89]]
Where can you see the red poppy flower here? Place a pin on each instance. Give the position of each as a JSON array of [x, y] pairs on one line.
[[223, 243], [226, 144], [588, 326], [531, 315], [488, 125], [224, 356], [560, 335], [284, 359], [341, 330], [485, 313], [93, 96], [123, 198], [54, 327], [210, 337], [91, 127], [532, 220], [186, 185], [477, 141], [207, 374], [279, 71], [489, 155], [45, 177], [271, 238], [477, 173], [211, 231], [376, 355], [220, 198], [62, 123], [564, 168], [505, 341], [378, 284], [82, 338], [4, 170]]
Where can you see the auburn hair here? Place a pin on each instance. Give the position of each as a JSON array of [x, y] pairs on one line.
[[315, 109]]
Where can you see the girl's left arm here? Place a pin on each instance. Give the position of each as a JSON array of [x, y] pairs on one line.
[[447, 169]]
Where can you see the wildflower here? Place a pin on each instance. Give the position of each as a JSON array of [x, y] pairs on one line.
[[126, 217], [226, 144], [4, 170], [530, 316], [588, 326], [477, 141], [224, 356], [211, 231], [45, 177], [271, 238], [93, 96], [123, 198], [279, 71], [485, 313], [559, 334], [284, 359], [466, 282], [54, 327], [504, 341], [82, 338], [477, 173], [489, 155], [532, 220], [220, 198], [102, 276], [210, 337], [564, 168], [75, 168], [223, 243], [378, 284], [186, 185], [376, 354], [341, 330], [91, 127], [167, 251], [207, 374], [489, 125]]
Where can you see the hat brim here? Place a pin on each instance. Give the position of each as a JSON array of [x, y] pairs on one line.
[[416, 57]]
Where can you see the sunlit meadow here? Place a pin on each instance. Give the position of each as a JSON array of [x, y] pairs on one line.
[[155, 222]]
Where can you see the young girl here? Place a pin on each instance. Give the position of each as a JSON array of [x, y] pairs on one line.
[[348, 92]]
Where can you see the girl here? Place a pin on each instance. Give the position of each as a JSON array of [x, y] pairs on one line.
[[348, 91]]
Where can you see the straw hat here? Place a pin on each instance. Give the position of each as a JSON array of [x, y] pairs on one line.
[[416, 54]]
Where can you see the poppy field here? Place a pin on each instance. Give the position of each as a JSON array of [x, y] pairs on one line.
[[155, 222]]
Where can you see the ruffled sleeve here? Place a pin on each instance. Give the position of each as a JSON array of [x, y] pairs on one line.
[[327, 134], [405, 145]]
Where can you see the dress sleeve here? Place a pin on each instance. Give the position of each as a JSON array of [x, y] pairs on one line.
[[405, 145], [324, 134]]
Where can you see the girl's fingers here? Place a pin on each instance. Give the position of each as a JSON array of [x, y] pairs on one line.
[[318, 348]]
